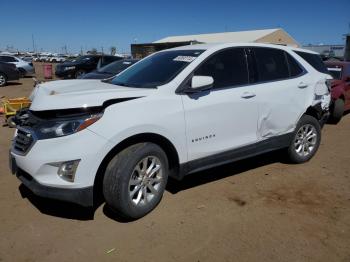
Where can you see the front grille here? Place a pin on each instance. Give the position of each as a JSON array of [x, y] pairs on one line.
[[23, 141]]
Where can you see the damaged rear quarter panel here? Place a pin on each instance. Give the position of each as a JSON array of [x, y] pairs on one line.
[[282, 103]]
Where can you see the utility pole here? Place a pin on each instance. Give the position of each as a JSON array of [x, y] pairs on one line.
[[33, 43]]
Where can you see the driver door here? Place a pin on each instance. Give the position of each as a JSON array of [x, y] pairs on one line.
[[225, 117]]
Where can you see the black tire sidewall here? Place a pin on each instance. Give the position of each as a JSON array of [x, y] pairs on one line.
[[338, 110], [4, 84], [117, 176], [292, 154], [79, 75], [10, 122]]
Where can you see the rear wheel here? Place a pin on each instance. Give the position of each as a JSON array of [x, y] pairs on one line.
[[3, 79], [306, 140], [22, 72], [135, 180], [79, 73], [338, 111]]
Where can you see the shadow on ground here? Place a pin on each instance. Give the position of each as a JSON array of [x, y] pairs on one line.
[[217, 173], [57, 208], [12, 83], [72, 211]]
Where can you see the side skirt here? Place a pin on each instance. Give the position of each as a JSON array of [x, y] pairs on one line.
[[258, 148]]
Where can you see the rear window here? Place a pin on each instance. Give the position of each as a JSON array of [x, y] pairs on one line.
[[314, 60], [336, 72]]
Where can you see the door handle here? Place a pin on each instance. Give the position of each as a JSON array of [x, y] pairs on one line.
[[248, 95], [302, 85]]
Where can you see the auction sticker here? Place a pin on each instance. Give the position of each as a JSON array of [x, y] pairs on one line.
[[182, 58]]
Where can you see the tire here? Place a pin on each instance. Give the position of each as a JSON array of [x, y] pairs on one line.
[[337, 111], [79, 74], [303, 147], [3, 79], [22, 72], [129, 187], [10, 122]]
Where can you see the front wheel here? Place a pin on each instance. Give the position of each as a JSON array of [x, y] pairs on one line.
[[306, 140], [135, 180]]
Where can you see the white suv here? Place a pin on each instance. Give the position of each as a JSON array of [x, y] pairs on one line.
[[173, 113]]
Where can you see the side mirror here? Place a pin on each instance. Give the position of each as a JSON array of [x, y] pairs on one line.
[[200, 83], [347, 79]]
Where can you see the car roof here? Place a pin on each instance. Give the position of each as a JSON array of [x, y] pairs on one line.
[[217, 46]]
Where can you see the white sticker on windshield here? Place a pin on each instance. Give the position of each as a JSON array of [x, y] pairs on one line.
[[182, 58]]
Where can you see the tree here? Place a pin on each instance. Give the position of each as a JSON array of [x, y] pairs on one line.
[[113, 50]]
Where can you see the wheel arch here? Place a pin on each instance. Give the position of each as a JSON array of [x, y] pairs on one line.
[[314, 111], [163, 142]]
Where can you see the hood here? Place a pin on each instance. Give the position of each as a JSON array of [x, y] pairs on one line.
[[68, 94]]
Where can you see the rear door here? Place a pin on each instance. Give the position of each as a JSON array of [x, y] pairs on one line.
[[225, 117], [280, 85]]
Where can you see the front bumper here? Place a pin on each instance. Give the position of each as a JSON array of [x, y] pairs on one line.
[[80, 196], [35, 171]]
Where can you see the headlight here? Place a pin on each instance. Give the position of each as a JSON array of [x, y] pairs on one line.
[[58, 128], [69, 68]]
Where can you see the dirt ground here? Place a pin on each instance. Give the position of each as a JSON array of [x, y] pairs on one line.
[[259, 209]]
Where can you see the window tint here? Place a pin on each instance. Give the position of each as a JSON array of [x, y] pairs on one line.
[[157, 69], [294, 67], [228, 68], [271, 64], [109, 59], [116, 67], [7, 59], [335, 72], [314, 60]]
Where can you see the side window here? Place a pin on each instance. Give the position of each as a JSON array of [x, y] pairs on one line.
[[228, 68], [271, 64], [294, 67], [2, 59], [7, 59], [10, 59], [314, 60]]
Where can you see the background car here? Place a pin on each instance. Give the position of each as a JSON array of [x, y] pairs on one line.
[[110, 70], [25, 68], [8, 72], [340, 88], [58, 58], [81, 65]]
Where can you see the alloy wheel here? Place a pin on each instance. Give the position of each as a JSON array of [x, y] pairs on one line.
[[305, 140], [2, 80], [146, 181]]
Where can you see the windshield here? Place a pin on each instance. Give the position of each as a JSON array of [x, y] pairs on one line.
[[116, 67], [335, 72], [157, 69]]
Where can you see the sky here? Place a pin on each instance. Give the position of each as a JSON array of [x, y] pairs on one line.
[[89, 24]]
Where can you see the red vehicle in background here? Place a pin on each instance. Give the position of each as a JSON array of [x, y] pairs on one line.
[[340, 92]]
